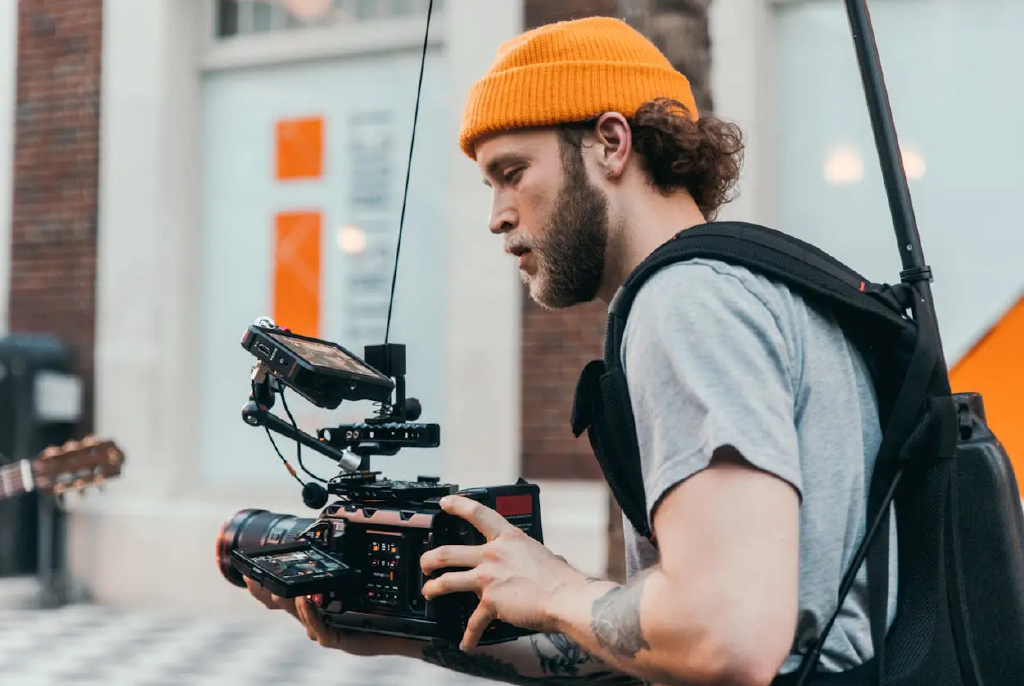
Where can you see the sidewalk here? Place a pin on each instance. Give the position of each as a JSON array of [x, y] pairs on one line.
[[85, 645]]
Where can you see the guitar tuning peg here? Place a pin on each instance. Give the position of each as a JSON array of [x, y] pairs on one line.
[[90, 440]]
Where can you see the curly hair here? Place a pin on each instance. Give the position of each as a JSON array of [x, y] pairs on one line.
[[703, 157]]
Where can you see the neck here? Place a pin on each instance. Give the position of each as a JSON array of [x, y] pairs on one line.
[[646, 221]]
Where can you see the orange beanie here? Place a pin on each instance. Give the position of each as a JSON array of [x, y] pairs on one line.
[[569, 71]]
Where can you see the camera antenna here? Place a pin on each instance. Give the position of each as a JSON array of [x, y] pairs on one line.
[[408, 170]]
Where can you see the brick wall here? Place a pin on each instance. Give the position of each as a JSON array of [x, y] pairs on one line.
[[56, 155]]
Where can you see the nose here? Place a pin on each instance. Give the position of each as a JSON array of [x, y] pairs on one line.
[[503, 218]]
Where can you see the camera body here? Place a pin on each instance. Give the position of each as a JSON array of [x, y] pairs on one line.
[[359, 560]]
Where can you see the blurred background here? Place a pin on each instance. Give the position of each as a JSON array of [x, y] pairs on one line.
[[172, 169]]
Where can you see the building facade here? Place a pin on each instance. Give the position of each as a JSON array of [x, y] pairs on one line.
[[177, 168]]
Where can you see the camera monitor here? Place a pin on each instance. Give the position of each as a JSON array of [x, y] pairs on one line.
[[292, 569], [323, 372]]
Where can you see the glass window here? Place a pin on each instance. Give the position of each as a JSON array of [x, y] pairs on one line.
[[247, 17], [302, 197], [946, 66]]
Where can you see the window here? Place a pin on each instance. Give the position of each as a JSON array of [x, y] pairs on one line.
[[247, 17], [946, 65], [302, 196]]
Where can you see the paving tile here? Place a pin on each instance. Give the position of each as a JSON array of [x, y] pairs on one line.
[[85, 645]]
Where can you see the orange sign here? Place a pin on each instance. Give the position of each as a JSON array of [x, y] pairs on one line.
[[297, 265], [300, 148]]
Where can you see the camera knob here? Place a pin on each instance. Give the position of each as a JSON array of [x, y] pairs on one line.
[[428, 479], [413, 409]]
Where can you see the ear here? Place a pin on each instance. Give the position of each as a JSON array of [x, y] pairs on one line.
[[613, 143]]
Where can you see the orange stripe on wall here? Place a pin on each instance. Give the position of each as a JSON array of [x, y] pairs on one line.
[[296, 287], [994, 367], [300, 148]]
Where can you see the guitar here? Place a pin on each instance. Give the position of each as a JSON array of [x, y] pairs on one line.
[[73, 466]]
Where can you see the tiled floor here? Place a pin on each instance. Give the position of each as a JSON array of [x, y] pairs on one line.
[[84, 645]]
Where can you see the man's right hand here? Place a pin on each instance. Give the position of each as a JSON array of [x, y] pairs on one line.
[[351, 642]]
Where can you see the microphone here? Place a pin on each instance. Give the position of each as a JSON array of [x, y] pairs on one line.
[[314, 495]]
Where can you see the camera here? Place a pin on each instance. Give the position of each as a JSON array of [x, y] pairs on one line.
[[359, 558]]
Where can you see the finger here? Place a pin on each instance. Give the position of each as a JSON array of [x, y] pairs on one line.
[[478, 621], [451, 556], [286, 604], [452, 582], [261, 594], [310, 618], [484, 519]]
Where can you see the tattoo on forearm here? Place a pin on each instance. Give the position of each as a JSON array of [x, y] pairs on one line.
[[566, 657], [559, 664], [616, 620]]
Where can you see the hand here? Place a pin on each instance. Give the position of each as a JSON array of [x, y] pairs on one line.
[[516, 578], [351, 642]]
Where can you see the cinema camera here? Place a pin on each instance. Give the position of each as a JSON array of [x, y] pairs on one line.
[[360, 557]]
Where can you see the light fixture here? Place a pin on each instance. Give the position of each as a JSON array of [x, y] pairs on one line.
[[308, 10], [305, 10], [913, 162], [843, 166], [351, 239]]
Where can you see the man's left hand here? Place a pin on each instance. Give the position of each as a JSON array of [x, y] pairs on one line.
[[516, 578]]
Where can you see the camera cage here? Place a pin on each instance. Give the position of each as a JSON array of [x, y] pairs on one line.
[[303, 364]]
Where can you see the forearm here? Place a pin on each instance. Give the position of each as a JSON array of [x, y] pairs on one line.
[[652, 629], [537, 660]]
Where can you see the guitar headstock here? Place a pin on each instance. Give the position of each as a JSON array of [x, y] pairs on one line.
[[76, 465]]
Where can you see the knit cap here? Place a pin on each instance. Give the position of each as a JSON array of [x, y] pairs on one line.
[[566, 72]]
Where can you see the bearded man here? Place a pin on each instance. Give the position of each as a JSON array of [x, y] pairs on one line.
[[755, 417]]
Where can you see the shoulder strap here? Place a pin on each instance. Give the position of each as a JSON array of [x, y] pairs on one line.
[[816, 274], [775, 254], [804, 267]]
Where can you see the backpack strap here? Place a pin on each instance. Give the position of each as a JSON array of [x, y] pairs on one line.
[[601, 393], [602, 407], [923, 425]]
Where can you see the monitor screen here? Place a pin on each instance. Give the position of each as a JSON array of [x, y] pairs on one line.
[[325, 356]]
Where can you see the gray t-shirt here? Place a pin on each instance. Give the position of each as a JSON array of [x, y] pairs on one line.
[[717, 355]]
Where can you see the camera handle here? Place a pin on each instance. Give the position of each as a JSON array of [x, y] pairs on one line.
[[350, 445], [256, 413]]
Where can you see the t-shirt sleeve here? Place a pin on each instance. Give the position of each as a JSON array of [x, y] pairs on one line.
[[706, 364]]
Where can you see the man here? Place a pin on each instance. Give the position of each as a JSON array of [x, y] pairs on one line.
[[755, 418]]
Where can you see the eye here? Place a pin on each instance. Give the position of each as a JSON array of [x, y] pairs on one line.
[[513, 174]]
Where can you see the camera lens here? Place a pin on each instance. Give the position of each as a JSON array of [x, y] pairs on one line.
[[252, 528]]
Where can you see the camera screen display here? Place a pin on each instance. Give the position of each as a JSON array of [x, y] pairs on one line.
[[386, 570], [323, 355], [298, 563]]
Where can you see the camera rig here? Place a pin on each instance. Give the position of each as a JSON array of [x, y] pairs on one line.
[[358, 557], [326, 374]]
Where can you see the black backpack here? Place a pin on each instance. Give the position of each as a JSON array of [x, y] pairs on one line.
[[960, 598]]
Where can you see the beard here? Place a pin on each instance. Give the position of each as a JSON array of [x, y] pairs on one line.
[[571, 256]]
